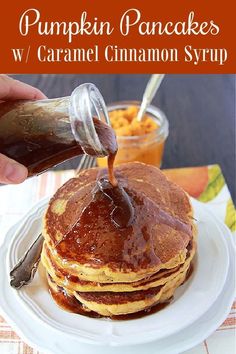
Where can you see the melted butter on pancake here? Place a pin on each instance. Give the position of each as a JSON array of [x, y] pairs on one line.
[[59, 206]]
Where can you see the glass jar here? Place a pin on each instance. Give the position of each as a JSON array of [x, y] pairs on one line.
[[41, 134], [146, 148]]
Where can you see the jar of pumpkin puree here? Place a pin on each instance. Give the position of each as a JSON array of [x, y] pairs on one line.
[[137, 141]]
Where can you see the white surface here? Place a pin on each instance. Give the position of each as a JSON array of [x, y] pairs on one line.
[[56, 342], [217, 346]]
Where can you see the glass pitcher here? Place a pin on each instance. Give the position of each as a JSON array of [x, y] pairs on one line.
[[41, 134]]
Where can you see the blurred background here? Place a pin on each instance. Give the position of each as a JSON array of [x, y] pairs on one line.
[[200, 110]]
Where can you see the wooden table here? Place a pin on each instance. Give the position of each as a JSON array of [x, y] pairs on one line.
[[200, 109]]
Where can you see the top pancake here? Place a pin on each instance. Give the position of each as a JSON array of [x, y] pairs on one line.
[[81, 235]]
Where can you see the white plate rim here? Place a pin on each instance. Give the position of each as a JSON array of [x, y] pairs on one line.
[[200, 337], [40, 204], [108, 338]]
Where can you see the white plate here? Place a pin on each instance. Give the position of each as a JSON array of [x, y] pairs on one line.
[[47, 340], [211, 247], [203, 288]]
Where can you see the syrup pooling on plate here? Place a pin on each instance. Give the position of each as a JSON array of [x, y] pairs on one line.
[[71, 304]]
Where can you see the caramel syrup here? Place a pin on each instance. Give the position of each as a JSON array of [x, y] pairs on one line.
[[71, 304], [40, 139], [40, 146]]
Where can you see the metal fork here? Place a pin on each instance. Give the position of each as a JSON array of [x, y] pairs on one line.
[[25, 269]]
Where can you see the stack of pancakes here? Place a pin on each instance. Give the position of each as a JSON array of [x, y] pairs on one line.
[[108, 270]]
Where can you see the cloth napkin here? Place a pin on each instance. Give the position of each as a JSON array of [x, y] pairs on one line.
[[205, 183]]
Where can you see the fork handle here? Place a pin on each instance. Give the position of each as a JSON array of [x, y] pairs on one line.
[[23, 272]]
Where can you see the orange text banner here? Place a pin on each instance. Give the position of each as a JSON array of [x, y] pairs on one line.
[[91, 36]]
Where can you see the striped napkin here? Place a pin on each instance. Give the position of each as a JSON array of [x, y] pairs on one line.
[[209, 187]]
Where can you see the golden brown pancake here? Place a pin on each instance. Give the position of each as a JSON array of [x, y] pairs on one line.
[[90, 257], [74, 283]]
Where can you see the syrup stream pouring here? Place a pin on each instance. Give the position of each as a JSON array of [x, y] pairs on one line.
[[24, 271]]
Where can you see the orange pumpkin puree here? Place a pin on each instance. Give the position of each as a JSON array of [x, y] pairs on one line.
[[135, 141]]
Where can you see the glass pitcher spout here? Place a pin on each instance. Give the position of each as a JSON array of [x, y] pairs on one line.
[[87, 103]]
